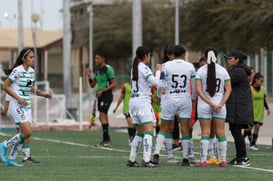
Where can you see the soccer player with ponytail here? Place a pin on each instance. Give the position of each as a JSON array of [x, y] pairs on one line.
[[19, 85], [213, 86], [140, 107]]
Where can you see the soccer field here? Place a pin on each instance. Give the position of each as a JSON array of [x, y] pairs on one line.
[[71, 155]]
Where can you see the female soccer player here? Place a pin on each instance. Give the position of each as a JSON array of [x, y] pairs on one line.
[[259, 103], [26, 146], [213, 87], [19, 86], [165, 134], [177, 97], [140, 107], [125, 95]]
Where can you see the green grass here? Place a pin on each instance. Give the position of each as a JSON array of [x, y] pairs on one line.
[[62, 160]]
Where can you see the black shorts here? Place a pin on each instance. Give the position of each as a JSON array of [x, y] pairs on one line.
[[104, 102], [255, 122]]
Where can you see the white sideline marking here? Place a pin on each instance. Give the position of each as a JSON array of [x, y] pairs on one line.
[[254, 168], [111, 149]]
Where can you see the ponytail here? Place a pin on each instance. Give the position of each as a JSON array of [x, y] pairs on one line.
[[211, 56], [135, 69], [141, 52], [211, 79]]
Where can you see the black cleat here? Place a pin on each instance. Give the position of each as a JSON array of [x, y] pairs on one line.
[[185, 162], [132, 164], [30, 160], [148, 164], [233, 161], [156, 159], [241, 162]]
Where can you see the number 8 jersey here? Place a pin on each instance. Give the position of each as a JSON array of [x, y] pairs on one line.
[[221, 77]]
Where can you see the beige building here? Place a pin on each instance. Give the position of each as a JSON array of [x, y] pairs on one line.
[[49, 52]]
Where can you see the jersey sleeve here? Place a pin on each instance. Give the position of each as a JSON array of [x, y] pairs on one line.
[[227, 77], [198, 75], [193, 73], [193, 92], [147, 73], [13, 75], [110, 72]]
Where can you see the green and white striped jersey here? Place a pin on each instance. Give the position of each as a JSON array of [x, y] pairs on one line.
[[22, 82]]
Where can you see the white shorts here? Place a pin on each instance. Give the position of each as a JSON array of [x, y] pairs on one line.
[[204, 111], [141, 111], [180, 107], [19, 115]]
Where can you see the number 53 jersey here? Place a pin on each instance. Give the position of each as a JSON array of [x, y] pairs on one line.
[[179, 75]]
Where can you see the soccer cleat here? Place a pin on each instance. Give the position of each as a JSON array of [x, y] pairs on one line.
[[223, 164], [172, 161], [219, 160], [132, 164], [11, 162], [3, 152], [241, 162], [253, 147], [156, 159], [212, 161], [104, 144], [185, 162], [202, 164], [30, 160], [148, 164]]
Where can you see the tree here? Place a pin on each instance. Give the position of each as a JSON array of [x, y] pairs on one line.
[[228, 24]]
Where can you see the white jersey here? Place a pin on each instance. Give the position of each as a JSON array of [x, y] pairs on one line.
[[142, 87], [140, 106], [22, 82], [222, 76], [179, 74]]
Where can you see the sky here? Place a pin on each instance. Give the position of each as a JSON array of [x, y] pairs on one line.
[[49, 11]]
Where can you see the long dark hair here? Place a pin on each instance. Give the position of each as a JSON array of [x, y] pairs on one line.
[[19, 61], [211, 74], [140, 54], [258, 75]]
